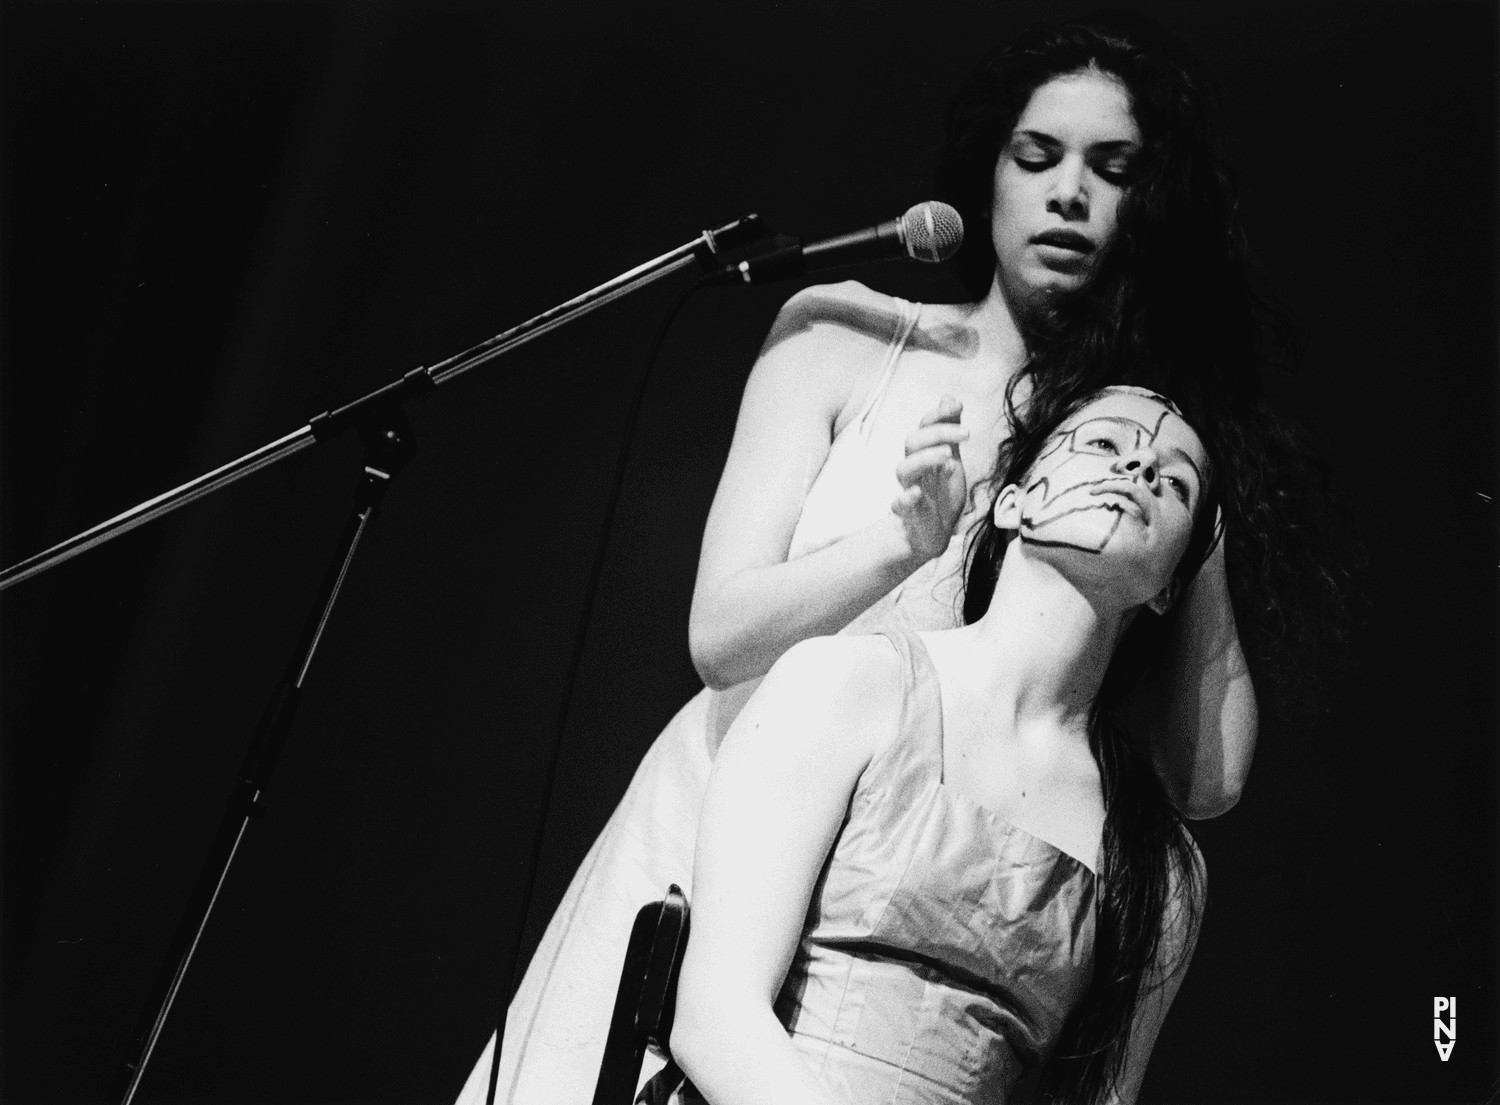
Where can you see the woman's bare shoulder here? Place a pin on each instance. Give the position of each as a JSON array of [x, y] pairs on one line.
[[828, 343], [853, 680], [838, 313], [852, 317], [850, 659]]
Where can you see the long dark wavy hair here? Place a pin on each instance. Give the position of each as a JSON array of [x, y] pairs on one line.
[[1174, 305]]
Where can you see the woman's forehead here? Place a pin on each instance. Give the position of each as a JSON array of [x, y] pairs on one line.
[[1159, 421], [1089, 104]]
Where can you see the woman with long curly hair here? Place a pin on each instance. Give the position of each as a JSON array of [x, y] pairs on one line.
[[1103, 247]]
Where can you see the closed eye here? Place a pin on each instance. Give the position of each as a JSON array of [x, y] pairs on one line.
[[1113, 172], [1116, 170]]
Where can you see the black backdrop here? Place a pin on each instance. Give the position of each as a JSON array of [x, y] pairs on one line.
[[220, 219]]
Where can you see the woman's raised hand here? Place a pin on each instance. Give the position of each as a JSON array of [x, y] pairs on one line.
[[934, 488], [753, 599]]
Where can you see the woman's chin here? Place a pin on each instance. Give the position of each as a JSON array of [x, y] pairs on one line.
[[1051, 284], [1041, 289]]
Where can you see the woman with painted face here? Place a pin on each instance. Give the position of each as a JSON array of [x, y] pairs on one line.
[[931, 866], [1102, 248]]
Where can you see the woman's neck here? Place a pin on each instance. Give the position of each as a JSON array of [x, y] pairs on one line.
[[1041, 650], [999, 330]]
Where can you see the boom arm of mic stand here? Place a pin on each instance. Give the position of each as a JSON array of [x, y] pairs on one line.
[[703, 249]]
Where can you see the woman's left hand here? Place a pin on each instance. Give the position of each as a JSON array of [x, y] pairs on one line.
[[934, 487]]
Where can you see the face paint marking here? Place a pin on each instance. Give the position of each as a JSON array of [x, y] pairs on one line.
[[1132, 434], [1028, 528]]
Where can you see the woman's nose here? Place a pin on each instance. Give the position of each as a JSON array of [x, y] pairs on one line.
[[1068, 197], [1141, 464]]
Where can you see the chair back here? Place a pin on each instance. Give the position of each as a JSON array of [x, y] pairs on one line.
[[647, 997]]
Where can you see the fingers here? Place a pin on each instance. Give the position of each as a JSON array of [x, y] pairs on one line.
[[939, 426], [948, 409], [934, 461], [944, 435], [907, 501]]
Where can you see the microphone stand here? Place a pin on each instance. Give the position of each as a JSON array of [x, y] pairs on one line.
[[381, 422], [389, 444], [703, 249]]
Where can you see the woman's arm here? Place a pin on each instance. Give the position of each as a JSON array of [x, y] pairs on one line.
[[779, 792], [750, 604], [1202, 717], [1179, 936]]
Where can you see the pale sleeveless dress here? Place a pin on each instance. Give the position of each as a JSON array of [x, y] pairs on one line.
[[944, 947], [559, 1017]]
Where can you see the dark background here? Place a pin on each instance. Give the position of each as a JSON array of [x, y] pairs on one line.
[[220, 219]]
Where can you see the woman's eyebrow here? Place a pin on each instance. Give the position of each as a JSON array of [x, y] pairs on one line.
[[1112, 152], [1037, 138], [1174, 453], [1107, 145]]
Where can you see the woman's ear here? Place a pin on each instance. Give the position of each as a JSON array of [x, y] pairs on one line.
[[1007, 511], [1162, 601]]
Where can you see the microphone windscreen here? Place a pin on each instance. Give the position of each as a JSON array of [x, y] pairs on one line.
[[933, 231]]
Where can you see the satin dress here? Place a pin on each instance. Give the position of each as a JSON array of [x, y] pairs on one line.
[[559, 1017], [944, 947]]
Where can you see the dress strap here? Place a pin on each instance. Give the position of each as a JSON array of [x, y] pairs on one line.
[[906, 321], [918, 744]]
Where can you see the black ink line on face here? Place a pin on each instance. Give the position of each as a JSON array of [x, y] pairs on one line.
[[1114, 508], [1156, 432], [1069, 439], [1046, 482], [1151, 433]]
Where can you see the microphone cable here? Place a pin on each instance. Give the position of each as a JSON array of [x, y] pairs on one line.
[[580, 637]]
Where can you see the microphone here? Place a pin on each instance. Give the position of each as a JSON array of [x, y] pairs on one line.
[[930, 231]]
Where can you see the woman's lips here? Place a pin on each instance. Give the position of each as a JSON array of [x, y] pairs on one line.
[[1064, 239], [1129, 491]]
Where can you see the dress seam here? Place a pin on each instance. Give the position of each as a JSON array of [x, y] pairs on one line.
[[900, 641]]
